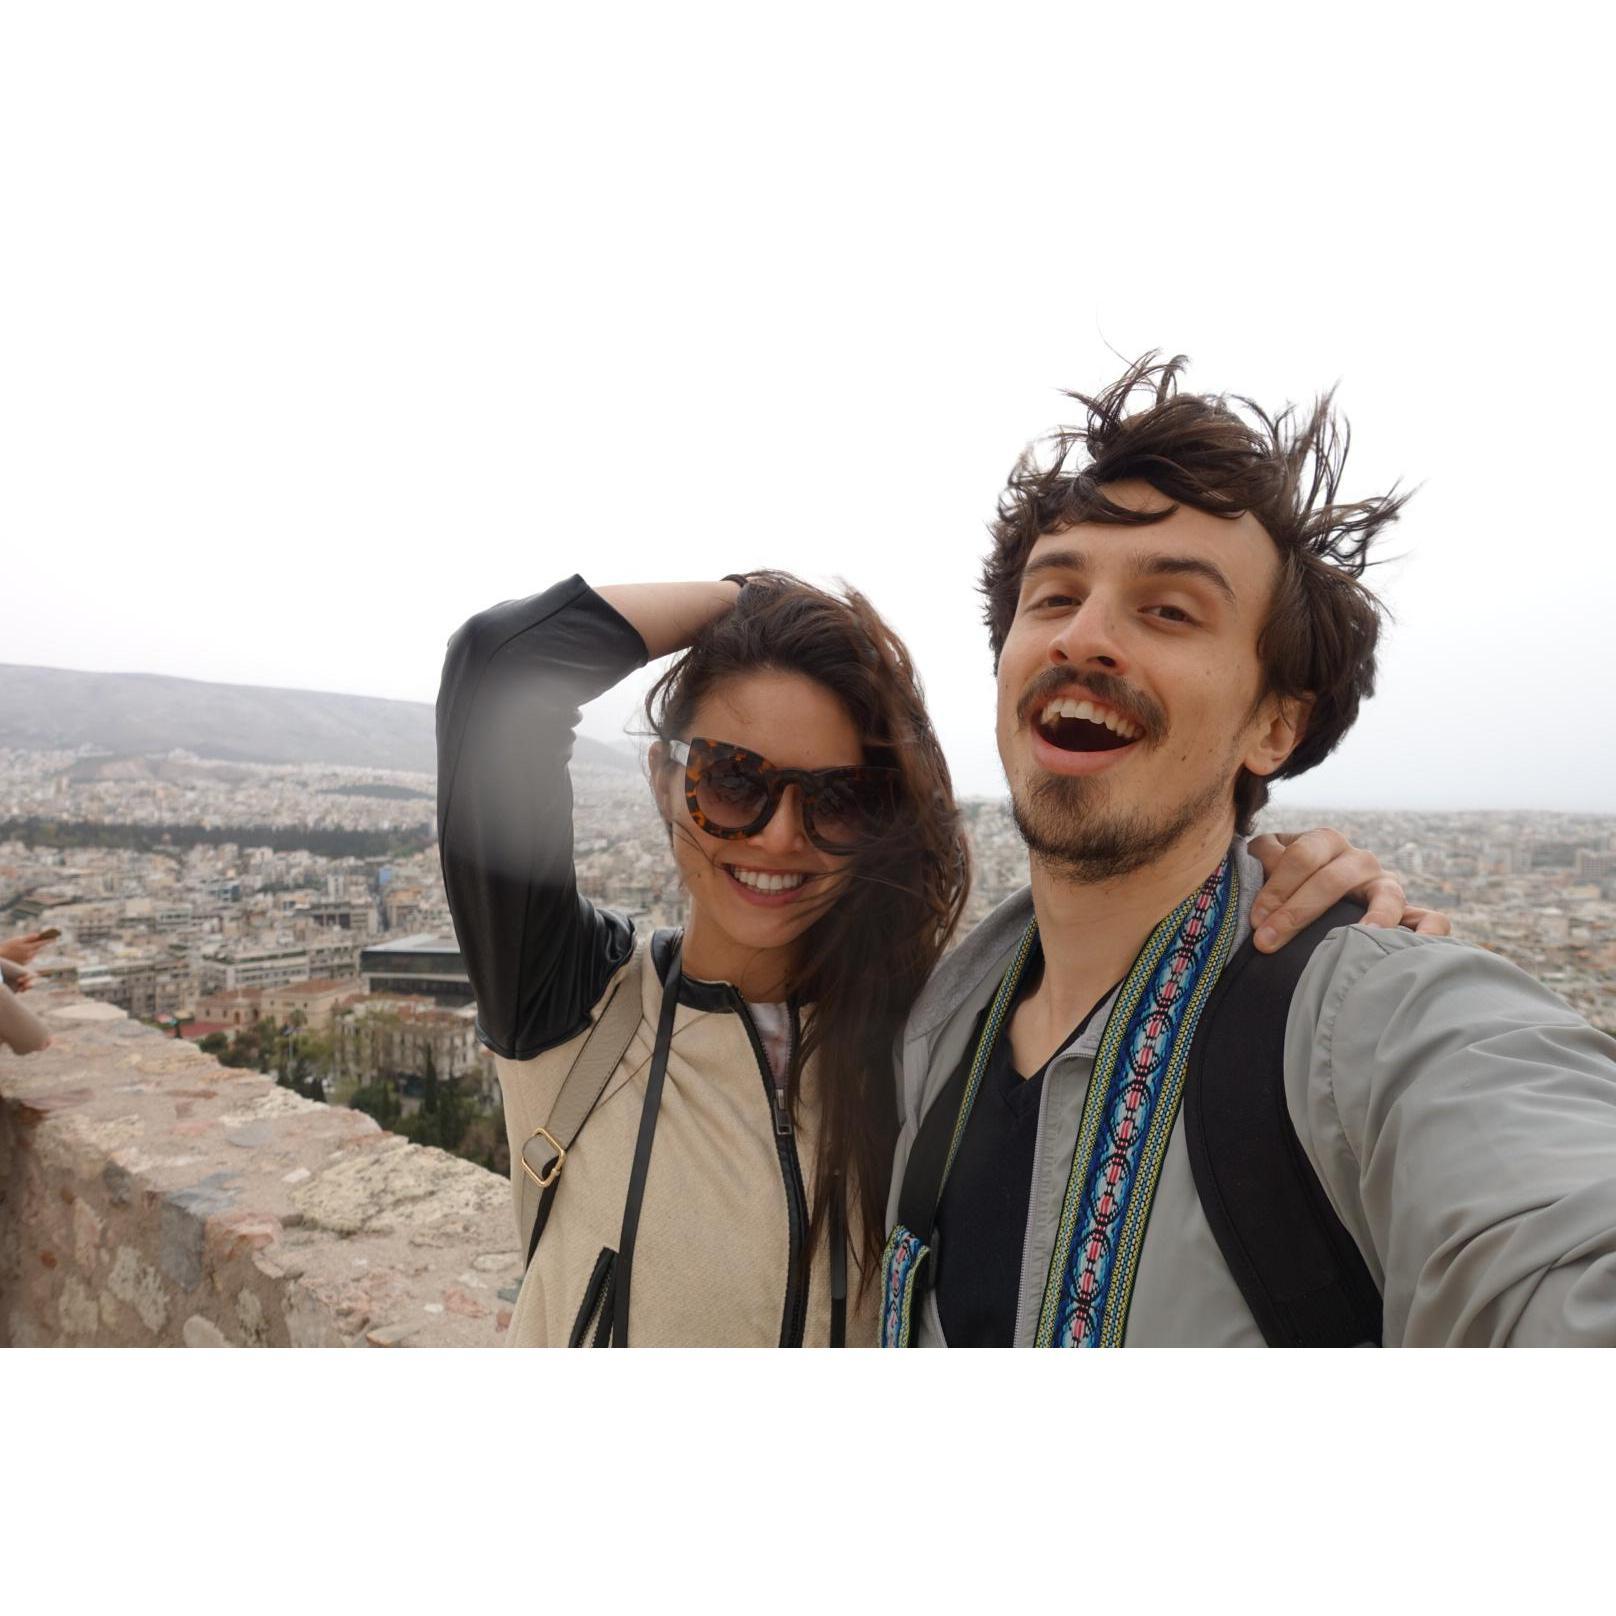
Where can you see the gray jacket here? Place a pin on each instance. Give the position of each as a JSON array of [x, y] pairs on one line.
[[1461, 1118]]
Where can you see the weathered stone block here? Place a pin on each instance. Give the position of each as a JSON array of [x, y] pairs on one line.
[[464, 1303], [87, 1010], [86, 1235], [182, 1227], [135, 1282], [76, 1310], [200, 1332], [233, 1235], [250, 1314]]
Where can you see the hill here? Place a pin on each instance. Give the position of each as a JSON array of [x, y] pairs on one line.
[[140, 714]]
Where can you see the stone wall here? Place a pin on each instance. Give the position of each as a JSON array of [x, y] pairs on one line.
[[151, 1197]]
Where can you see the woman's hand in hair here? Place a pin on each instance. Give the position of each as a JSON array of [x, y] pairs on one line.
[[1310, 872], [669, 616]]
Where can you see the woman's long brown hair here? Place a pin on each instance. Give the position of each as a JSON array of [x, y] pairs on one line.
[[864, 961]]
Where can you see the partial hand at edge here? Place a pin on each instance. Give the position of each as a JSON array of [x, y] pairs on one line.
[[1309, 872]]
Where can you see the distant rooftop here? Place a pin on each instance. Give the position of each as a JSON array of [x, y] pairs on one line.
[[422, 942]]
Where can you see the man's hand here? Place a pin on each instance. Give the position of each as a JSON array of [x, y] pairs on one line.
[[20, 950], [1308, 873]]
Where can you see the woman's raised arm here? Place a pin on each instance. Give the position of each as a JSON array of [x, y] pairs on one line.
[[669, 616], [538, 953]]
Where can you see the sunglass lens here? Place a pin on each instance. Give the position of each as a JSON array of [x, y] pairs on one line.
[[848, 812], [730, 794]]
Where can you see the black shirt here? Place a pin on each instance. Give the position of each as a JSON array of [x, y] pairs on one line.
[[982, 1219]]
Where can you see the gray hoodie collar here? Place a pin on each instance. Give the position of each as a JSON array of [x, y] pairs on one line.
[[969, 976]]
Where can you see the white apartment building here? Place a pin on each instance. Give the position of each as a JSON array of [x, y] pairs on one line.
[[254, 966]]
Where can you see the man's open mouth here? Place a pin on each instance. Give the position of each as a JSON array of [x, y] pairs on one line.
[[1085, 726]]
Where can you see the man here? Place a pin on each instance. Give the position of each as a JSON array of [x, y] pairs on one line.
[[1177, 617]]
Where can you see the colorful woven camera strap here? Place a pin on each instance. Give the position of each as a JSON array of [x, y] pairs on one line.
[[1132, 1103]]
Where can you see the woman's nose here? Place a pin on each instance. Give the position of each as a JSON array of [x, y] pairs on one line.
[[784, 832]]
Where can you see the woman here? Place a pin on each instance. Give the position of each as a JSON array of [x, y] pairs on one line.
[[809, 811]]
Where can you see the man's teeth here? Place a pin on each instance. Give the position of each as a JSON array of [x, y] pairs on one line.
[[1067, 708], [763, 882]]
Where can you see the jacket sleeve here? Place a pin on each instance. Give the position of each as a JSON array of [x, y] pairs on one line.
[[1462, 1120], [538, 953]]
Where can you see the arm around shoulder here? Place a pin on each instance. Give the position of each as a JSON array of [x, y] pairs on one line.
[[1462, 1119]]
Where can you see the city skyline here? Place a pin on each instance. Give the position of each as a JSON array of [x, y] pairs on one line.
[[161, 928]]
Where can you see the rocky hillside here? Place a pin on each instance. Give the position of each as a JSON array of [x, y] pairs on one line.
[[139, 714]]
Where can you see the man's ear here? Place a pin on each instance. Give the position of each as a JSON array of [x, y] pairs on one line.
[[664, 778], [1280, 725]]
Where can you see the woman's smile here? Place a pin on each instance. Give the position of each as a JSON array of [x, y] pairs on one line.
[[770, 889]]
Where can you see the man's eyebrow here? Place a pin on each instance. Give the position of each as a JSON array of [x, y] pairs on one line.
[[1150, 566], [1056, 561], [1154, 566]]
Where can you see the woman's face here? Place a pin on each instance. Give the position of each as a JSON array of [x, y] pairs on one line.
[[755, 896]]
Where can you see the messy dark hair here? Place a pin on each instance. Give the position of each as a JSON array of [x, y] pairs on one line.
[[862, 963], [1226, 456]]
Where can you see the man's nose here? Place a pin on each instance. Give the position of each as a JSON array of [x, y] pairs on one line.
[[1089, 638]]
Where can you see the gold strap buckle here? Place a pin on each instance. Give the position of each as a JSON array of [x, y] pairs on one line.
[[553, 1171]]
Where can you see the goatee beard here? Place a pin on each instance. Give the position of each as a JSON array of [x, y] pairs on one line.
[[1063, 824]]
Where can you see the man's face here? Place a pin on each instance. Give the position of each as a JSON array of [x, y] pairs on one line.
[[1128, 684]]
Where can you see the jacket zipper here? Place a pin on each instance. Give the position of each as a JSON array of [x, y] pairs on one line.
[[794, 1318], [597, 1294]]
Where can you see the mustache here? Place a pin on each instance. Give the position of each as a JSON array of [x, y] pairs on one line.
[[1114, 692]]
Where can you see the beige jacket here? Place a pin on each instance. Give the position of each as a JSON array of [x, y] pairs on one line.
[[713, 1250]]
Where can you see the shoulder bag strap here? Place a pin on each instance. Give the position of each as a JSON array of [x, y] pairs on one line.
[[545, 1152], [650, 1108], [1299, 1270]]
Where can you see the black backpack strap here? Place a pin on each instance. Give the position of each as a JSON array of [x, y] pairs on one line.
[[1299, 1270], [923, 1173]]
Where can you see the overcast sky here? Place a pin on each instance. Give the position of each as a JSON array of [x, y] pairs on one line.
[[322, 327]]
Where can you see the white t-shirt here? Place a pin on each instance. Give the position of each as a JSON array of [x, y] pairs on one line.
[[773, 1022]]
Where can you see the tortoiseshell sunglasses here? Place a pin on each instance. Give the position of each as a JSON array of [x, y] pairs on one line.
[[733, 793]]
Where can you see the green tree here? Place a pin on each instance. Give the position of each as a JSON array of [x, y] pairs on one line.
[[215, 1043], [317, 1058], [454, 1115], [378, 1100], [446, 1111], [485, 1142], [246, 1048]]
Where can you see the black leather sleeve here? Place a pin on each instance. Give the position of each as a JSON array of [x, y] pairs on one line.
[[539, 955]]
